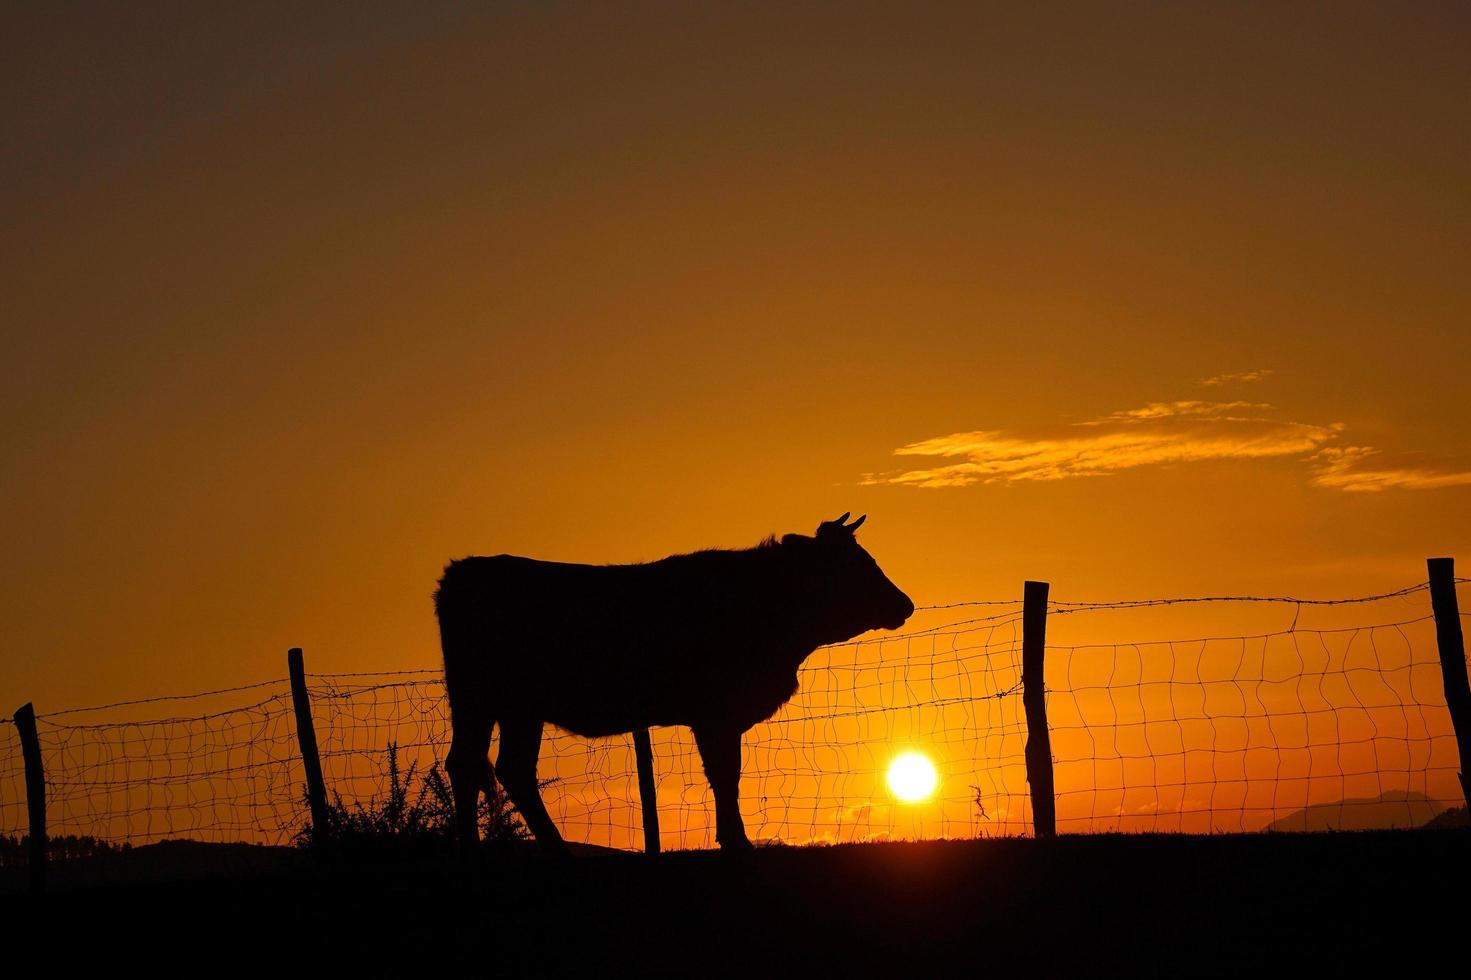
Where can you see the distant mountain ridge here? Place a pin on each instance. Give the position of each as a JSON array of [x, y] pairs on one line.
[[1394, 809]]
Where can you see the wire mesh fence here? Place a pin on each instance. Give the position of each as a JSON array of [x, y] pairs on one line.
[[1294, 729], [13, 817], [1340, 722], [218, 766]]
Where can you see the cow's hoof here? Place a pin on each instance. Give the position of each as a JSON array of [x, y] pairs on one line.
[[740, 845]]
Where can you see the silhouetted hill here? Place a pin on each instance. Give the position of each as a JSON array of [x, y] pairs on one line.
[[182, 860], [1148, 905], [1395, 809], [166, 860], [1452, 819]]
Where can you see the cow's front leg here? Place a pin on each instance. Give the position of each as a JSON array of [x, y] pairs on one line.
[[720, 750], [516, 767]]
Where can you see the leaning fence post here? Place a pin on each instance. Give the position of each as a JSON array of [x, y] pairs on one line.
[[30, 751], [644, 752], [1034, 698], [306, 737], [1452, 660]]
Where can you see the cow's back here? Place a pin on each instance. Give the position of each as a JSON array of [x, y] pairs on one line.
[[594, 648], [514, 599]]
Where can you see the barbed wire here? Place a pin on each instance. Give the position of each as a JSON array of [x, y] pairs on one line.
[[1056, 607], [161, 698]]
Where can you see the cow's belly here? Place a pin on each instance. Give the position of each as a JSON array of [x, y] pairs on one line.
[[613, 708]]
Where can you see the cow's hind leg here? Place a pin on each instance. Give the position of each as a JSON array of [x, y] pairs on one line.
[[516, 766], [470, 773], [720, 750]]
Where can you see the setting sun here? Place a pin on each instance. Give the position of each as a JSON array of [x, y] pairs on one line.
[[912, 777]]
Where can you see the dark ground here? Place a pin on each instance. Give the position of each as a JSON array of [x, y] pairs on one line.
[[1138, 905]]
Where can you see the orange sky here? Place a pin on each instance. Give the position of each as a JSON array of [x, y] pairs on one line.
[[297, 306]]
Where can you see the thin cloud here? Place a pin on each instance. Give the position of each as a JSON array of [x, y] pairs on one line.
[[1163, 434], [1361, 469], [1181, 409], [1235, 377]]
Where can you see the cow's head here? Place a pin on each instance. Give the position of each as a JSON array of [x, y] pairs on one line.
[[852, 593]]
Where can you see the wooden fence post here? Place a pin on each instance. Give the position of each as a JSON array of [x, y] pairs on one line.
[[644, 752], [306, 737], [30, 751], [1034, 698], [1452, 660]]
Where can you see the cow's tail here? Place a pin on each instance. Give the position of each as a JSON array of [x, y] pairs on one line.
[[458, 604]]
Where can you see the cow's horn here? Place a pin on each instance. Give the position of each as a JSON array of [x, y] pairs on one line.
[[856, 524], [829, 527]]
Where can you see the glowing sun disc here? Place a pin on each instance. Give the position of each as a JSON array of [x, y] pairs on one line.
[[912, 777]]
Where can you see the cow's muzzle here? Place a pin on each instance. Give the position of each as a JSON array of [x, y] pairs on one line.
[[902, 615]]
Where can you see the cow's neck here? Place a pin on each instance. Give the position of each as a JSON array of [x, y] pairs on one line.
[[803, 626]]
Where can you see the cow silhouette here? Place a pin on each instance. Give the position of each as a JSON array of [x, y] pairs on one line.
[[711, 640]]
